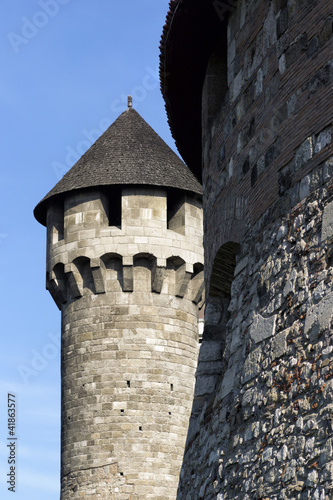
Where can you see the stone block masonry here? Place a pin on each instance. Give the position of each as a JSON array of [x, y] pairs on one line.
[[129, 299], [125, 267]]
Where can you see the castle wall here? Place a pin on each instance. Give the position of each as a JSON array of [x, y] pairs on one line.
[[128, 297], [261, 423]]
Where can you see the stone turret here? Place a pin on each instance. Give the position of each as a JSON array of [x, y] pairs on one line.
[[125, 266]]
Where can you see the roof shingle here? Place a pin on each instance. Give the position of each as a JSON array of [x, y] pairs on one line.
[[128, 152]]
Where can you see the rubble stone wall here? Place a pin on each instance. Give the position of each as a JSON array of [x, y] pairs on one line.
[[262, 418]]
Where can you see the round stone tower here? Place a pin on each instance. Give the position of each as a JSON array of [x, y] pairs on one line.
[[124, 265]]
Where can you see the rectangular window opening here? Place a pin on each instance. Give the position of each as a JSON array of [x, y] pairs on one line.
[[115, 207], [176, 211], [56, 221]]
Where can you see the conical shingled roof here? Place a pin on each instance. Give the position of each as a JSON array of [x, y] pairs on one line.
[[129, 152]]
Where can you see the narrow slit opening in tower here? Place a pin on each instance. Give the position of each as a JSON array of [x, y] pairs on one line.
[[223, 270], [115, 215], [57, 218], [215, 85], [176, 211]]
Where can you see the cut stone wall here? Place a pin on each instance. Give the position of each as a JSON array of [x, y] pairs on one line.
[[129, 299]]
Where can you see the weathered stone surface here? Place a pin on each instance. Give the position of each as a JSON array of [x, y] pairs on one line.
[[129, 343], [210, 351], [319, 316], [279, 345], [252, 365], [228, 381], [327, 227], [262, 328], [204, 385], [213, 313]]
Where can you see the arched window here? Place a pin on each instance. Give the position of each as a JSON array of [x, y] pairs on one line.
[[216, 82], [223, 271], [211, 365]]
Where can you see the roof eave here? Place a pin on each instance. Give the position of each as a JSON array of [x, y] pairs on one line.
[[191, 28], [40, 211]]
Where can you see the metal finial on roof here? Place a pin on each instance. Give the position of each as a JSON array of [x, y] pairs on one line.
[[129, 101]]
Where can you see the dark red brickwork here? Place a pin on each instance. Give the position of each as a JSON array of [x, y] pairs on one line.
[[273, 124]]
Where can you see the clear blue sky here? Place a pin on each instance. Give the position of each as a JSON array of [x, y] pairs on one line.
[[67, 67]]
